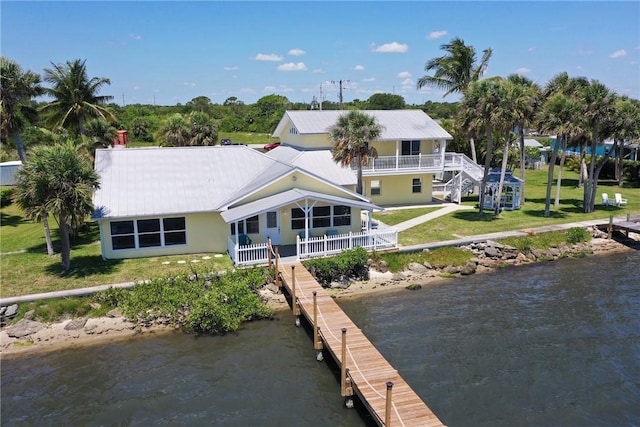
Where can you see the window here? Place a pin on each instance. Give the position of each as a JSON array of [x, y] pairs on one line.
[[375, 187], [417, 185], [293, 131], [341, 215], [411, 148], [251, 225], [148, 233], [297, 219], [321, 216]]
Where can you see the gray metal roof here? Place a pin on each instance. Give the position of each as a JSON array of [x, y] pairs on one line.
[[285, 198], [157, 181], [396, 124], [318, 162]]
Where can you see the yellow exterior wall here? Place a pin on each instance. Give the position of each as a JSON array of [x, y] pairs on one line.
[[305, 141], [206, 233], [302, 181], [289, 235], [388, 148], [397, 189]]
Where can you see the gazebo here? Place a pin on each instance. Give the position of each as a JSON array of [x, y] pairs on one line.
[[511, 189]]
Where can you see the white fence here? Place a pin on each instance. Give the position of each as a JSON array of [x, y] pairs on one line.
[[314, 247], [253, 254]]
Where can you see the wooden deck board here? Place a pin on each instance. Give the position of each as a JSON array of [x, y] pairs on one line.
[[368, 369]]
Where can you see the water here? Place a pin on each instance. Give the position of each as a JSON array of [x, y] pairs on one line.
[[552, 344]]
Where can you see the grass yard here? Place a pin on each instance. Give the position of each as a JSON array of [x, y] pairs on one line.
[[26, 268], [467, 223]]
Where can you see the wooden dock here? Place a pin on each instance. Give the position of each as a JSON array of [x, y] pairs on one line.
[[364, 371], [631, 225]]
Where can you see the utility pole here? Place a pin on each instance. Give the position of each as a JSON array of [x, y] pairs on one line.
[[340, 85], [321, 97], [123, 99]]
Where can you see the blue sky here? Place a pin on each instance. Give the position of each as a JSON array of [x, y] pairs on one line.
[[170, 52]]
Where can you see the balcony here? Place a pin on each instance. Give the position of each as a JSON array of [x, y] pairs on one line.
[[430, 163]]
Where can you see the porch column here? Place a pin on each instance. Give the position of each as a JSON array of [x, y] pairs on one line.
[[397, 153]]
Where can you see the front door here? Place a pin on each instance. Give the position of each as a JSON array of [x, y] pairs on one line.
[[272, 229]]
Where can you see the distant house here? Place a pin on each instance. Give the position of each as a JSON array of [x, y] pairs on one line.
[[8, 171]]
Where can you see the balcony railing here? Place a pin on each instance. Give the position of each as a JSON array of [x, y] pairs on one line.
[[416, 163]]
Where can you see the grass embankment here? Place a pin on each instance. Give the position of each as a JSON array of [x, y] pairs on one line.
[[468, 223]]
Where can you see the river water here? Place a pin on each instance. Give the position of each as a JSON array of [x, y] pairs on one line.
[[551, 344]]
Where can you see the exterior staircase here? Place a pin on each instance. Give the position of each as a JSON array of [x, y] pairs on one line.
[[468, 175]]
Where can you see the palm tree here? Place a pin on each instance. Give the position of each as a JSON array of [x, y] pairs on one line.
[[476, 111], [624, 126], [99, 134], [351, 135], [525, 106], [75, 96], [455, 71], [58, 181], [174, 131], [202, 129], [17, 88]]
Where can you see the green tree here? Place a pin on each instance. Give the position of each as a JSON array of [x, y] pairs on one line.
[[174, 131], [99, 134], [624, 126], [17, 89], [59, 181], [385, 101], [75, 96], [200, 103], [202, 130], [351, 136], [455, 71]]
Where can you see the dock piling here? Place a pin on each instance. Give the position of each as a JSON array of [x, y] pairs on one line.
[[387, 413]]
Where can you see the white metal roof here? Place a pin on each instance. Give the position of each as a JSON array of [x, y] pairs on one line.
[[285, 198], [396, 124], [529, 142], [318, 162], [157, 181]]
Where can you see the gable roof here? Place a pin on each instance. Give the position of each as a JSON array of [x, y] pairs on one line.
[[318, 162], [396, 124], [157, 181]]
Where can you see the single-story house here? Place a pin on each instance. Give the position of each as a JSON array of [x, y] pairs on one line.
[[166, 201]]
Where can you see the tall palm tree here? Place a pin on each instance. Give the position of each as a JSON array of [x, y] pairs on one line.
[[99, 134], [61, 182], [478, 104], [351, 136], [624, 126], [455, 71], [17, 88], [75, 96], [525, 106], [174, 131], [202, 130]]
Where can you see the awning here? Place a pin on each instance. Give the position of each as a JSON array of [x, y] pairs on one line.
[[286, 198]]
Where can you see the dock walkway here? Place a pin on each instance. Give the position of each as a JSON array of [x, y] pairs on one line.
[[364, 370]]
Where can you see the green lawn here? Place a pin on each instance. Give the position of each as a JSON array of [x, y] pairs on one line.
[[467, 223], [32, 270]]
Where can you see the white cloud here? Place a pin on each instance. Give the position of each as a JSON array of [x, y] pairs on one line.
[[436, 34], [359, 68], [247, 90], [523, 70], [319, 71], [135, 36], [292, 66], [297, 52], [277, 89], [403, 75], [234, 68], [393, 47], [531, 49], [136, 87], [407, 82], [268, 57], [369, 79], [192, 84], [618, 54]]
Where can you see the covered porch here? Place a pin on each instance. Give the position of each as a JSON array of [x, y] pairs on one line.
[[303, 224]]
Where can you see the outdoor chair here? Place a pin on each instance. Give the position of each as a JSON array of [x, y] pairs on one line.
[[605, 199], [619, 200], [244, 240]]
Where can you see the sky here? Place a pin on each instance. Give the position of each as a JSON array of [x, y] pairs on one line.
[[165, 53]]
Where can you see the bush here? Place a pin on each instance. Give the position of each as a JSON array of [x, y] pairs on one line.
[[6, 196], [350, 264], [577, 235]]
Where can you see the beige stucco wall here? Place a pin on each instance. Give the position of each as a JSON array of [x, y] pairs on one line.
[[206, 233], [397, 190]]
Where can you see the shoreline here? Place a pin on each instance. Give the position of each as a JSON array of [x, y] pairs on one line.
[[77, 333]]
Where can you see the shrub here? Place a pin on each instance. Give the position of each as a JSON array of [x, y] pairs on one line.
[[6, 196], [351, 263], [577, 235]]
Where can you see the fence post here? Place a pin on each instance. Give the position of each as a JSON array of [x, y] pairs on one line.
[[387, 412], [269, 251], [278, 278]]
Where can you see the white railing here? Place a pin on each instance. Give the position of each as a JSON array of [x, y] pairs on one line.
[[313, 247], [420, 162], [460, 162], [257, 253]]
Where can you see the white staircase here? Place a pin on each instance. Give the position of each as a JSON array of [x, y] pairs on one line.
[[469, 174]]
